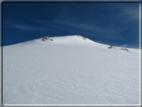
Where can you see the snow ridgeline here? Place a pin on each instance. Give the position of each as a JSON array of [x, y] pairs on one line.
[[69, 70], [78, 38]]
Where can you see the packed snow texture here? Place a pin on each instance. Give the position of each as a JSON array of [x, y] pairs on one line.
[[69, 70]]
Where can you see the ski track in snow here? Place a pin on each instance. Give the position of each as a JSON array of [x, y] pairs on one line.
[[69, 70]]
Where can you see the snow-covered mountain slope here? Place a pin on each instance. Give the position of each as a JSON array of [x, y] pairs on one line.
[[69, 70]]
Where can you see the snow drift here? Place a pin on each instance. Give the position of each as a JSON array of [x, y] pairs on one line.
[[69, 70]]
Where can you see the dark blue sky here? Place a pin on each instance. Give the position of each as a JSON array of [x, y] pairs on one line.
[[108, 23]]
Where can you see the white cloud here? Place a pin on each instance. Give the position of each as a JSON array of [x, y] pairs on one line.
[[128, 14], [26, 27], [23, 26], [130, 46], [92, 28]]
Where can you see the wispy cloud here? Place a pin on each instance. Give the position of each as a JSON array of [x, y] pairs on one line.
[[87, 29], [128, 14], [92, 29], [132, 13], [130, 46], [26, 27], [21, 26]]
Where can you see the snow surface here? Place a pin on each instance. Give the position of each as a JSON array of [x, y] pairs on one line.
[[69, 70]]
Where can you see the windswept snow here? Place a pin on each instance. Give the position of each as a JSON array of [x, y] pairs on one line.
[[69, 70]]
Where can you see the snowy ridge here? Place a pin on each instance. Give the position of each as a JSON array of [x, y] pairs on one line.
[[69, 70], [74, 39]]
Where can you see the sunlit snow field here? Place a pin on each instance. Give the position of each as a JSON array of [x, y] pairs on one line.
[[69, 70]]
